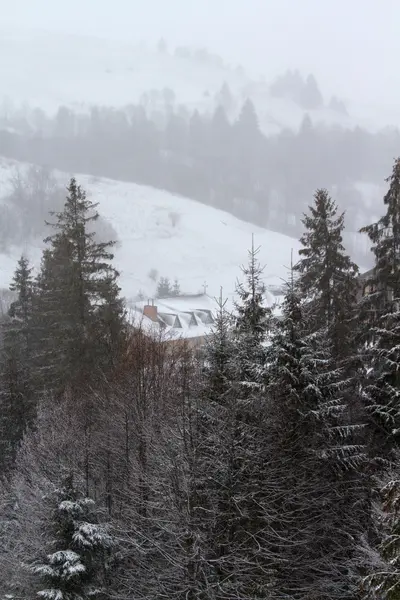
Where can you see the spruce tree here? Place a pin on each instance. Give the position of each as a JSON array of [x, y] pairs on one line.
[[164, 289], [252, 319], [79, 312], [252, 315], [75, 567], [328, 286], [236, 483], [327, 276], [218, 354], [17, 392], [176, 290], [381, 311], [383, 580], [327, 282], [310, 454]]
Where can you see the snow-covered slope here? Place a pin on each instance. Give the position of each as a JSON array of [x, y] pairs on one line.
[[173, 237], [47, 70]]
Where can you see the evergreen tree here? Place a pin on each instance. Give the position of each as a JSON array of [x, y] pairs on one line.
[[327, 274], [224, 98], [197, 136], [235, 486], [17, 395], [247, 123], [252, 318], [247, 150], [76, 566], [310, 455], [311, 97], [218, 354], [327, 283], [383, 582], [79, 312], [382, 325], [176, 290], [164, 288]]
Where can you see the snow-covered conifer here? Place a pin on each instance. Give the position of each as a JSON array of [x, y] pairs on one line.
[[383, 579], [75, 564], [327, 276], [17, 389], [310, 456], [382, 326], [79, 312]]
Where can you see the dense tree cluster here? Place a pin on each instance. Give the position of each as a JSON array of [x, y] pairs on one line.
[[265, 466]]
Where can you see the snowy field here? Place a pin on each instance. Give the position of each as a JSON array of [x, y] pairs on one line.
[[45, 70], [172, 236]]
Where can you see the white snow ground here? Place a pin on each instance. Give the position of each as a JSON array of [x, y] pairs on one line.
[[204, 248], [46, 70]]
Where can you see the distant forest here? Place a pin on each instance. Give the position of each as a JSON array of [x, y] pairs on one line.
[[217, 159]]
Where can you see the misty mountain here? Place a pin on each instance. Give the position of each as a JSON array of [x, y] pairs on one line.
[[44, 70]]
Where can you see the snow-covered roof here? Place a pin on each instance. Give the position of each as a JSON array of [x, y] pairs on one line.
[[185, 317]]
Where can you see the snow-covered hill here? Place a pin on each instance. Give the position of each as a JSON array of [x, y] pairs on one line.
[[170, 236], [47, 70]]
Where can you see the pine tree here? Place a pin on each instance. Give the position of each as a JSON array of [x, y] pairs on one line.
[[218, 354], [327, 274], [164, 289], [252, 316], [383, 582], [328, 283], [316, 556], [236, 485], [247, 122], [252, 319], [176, 290], [381, 310], [17, 395], [76, 566], [224, 98], [79, 312], [311, 97]]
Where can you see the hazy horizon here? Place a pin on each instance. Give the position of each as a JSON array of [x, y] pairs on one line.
[[351, 48]]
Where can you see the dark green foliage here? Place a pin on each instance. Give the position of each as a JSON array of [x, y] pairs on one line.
[[381, 311], [79, 312], [17, 392], [252, 322], [252, 314], [383, 583], [327, 276], [327, 283], [310, 456], [235, 455], [218, 354]]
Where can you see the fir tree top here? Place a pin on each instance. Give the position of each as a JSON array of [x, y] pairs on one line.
[[385, 238], [252, 313], [324, 267], [23, 285]]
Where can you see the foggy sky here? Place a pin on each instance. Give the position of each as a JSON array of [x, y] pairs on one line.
[[352, 46]]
